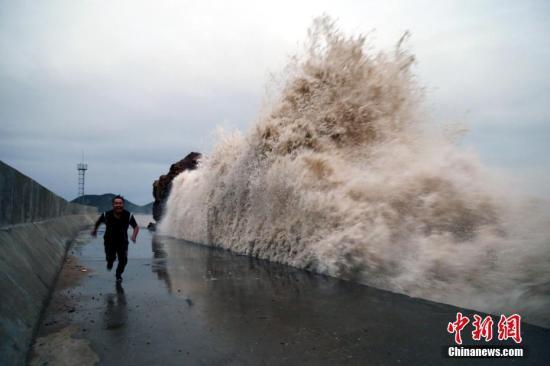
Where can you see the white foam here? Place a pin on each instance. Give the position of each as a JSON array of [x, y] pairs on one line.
[[342, 176]]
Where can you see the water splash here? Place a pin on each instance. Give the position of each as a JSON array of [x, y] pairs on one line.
[[343, 176]]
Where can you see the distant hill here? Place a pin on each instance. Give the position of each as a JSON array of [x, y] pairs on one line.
[[103, 202]]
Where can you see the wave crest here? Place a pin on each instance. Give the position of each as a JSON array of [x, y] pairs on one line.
[[343, 176]]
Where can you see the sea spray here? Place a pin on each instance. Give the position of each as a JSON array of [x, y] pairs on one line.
[[343, 176]]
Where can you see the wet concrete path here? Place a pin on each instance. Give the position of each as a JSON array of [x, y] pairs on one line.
[[185, 304]]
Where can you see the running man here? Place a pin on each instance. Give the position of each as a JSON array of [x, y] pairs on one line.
[[115, 239]]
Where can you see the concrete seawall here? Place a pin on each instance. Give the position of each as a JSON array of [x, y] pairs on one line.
[[36, 227]]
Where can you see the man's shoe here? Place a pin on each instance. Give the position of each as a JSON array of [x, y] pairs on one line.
[[109, 266], [118, 278]]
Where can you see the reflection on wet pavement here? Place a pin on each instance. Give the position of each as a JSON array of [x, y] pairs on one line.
[[115, 309], [159, 262], [184, 303]]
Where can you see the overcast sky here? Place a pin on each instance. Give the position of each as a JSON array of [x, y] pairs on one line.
[[136, 85]]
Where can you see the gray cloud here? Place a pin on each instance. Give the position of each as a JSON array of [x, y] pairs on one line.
[[136, 85]]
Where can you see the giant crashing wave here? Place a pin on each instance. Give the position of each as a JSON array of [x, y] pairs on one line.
[[343, 176]]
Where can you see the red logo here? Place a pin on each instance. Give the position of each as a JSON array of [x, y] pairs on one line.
[[482, 329], [457, 326], [508, 327]]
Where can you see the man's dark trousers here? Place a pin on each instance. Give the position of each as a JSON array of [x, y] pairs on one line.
[[114, 250]]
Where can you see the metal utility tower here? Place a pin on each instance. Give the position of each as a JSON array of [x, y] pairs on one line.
[[81, 167]]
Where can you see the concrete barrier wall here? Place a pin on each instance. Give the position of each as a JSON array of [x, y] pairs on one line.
[[22, 200], [36, 227]]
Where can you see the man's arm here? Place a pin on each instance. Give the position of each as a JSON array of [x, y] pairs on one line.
[[135, 226], [97, 223]]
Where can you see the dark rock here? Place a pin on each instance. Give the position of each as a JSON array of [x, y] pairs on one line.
[[161, 187]]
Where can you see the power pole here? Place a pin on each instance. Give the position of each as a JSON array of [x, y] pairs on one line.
[[81, 167]]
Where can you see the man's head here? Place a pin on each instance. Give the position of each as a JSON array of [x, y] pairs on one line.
[[118, 204]]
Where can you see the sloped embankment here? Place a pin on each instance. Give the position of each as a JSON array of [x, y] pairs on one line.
[[36, 227]]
